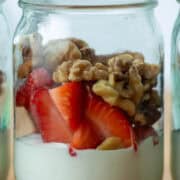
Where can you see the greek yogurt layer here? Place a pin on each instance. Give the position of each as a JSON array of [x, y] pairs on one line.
[[51, 161]]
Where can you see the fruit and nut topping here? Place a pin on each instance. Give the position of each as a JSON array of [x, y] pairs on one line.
[[69, 94]]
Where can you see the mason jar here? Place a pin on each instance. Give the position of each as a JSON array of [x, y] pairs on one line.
[[175, 76], [6, 95], [88, 91]]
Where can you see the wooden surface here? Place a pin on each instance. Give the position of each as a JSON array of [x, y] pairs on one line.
[[167, 175]]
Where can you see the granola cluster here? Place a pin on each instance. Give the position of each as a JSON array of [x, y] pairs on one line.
[[123, 80]]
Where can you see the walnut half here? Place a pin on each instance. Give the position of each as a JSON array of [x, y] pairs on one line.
[[79, 70]]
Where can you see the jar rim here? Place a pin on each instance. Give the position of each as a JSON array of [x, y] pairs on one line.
[[85, 3]]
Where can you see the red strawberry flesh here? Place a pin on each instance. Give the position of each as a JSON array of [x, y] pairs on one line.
[[70, 100], [52, 126], [109, 120], [38, 78], [85, 137]]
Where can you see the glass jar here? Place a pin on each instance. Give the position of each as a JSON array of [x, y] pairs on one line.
[[6, 94], [89, 91], [175, 72]]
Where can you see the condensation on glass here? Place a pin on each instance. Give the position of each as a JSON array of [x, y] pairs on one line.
[[88, 91]]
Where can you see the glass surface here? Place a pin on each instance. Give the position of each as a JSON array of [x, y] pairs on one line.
[[5, 95], [175, 70], [89, 94]]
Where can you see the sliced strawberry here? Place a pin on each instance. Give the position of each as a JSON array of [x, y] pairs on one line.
[[85, 137], [109, 120], [52, 126], [70, 100], [22, 98], [38, 78]]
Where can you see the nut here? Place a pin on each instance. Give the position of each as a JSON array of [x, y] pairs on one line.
[[103, 58], [149, 84], [138, 55], [126, 105], [111, 143], [27, 53], [106, 91], [151, 71], [24, 69], [124, 91], [110, 95], [136, 84], [100, 71], [81, 70], [88, 53], [155, 99], [147, 116], [140, 119], [120, 63], [62, 72], [31, 47], [79, 43]]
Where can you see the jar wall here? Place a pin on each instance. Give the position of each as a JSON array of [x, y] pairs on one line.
[[175, 71], [46, 41], [5, 95]]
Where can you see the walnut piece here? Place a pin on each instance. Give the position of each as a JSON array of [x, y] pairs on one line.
[[120, 63], [135, 82], [106, 91], [24, 69], [58, 51], [88, 53], [79, 43], [137, 55], [100, 71], [31, 47], [110, 95], [150, 71], [62, 72], [80, 70], [147, 116], [124, 90], [126, 105]]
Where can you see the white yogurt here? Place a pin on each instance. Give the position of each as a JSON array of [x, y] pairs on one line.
[[35, 160]]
